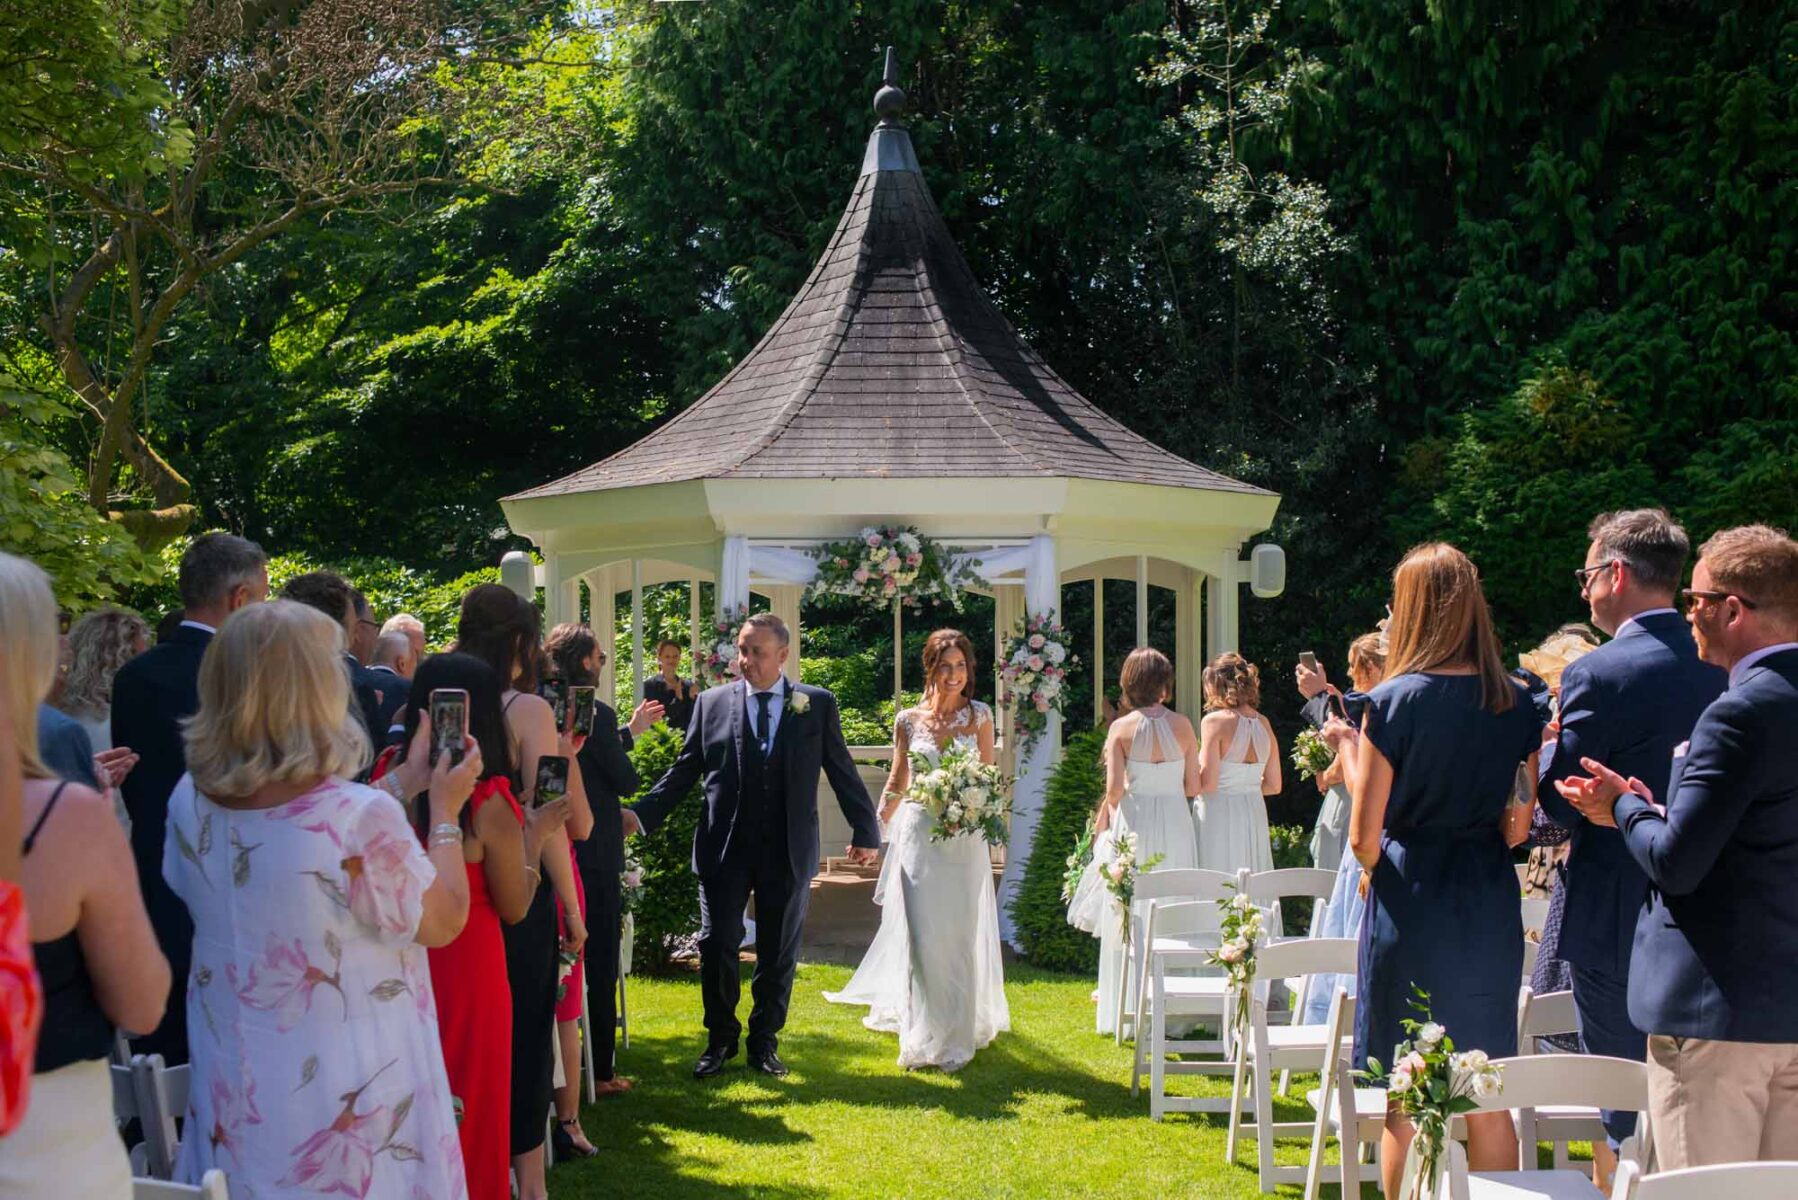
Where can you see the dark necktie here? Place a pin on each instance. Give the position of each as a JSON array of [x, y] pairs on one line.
[[762, 714]]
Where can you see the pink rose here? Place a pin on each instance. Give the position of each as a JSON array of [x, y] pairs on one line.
[[1035, 663], [861, 575], [892, 563], [889, 585], [873, 540], [1042, 704], [1036, 641]]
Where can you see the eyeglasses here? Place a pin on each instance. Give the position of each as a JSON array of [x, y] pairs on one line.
[[367, 622], [1583, 575], [1691, 594]]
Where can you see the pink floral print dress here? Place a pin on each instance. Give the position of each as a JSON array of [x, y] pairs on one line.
[[317, 1068]]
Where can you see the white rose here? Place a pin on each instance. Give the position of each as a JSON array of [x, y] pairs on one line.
[[800, 702], [974, 796], [1399, 1081], [1049, 688], [1054, 652], [1471, 1060], [1430, 1036], [1487, 1084]]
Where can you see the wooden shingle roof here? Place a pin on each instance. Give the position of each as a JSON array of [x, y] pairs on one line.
[[891, 362]]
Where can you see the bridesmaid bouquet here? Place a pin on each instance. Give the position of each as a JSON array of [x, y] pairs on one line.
[[1432, 1084], [1120, 875], [962, 795], [630, 885], [1240, 933], [1077, 862], [1311, 755]]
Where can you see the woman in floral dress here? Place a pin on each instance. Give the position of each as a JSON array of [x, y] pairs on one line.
[[316, 1063]]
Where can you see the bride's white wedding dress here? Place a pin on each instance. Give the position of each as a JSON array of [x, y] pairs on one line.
[[933, 974]]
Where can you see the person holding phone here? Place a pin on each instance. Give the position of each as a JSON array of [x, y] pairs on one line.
[[453, 693], [502, 630]]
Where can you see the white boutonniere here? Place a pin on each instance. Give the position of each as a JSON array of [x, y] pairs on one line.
[[800, 703]]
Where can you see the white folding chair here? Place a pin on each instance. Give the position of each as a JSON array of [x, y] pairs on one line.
[[1535, 920], [1268, 1048], [1543, 1016], [1738, 1181], [1267, 889], [624, 969], [1164, 887], [1539, 1081], [211, 1187], [1336, 1095], [161, 1093], [586, 1025], [1173, 990]]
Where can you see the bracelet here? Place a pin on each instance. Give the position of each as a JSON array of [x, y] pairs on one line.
[[534, 873], [390, 783], [444, 834]]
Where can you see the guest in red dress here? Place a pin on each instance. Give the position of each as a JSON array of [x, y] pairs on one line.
[[468, 976]]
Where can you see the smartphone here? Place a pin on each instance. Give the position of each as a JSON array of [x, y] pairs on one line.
[[449, 723], [580, 700], [556, 692], [552, 780], [1308, 660]]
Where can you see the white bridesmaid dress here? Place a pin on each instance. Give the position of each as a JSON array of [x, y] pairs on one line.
[[1231, 822]]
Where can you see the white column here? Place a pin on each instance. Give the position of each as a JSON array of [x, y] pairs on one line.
[[783, 602], [1142, 600], [605, 628], [1042, 597], [1098, 650], [1008, 608], [694, 628], [1222, 607], [636, 631], [1187, 653]]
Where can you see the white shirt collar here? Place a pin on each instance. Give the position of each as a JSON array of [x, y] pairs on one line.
[[1748, 660], [382, 667], [199, 625], [1637, 619]]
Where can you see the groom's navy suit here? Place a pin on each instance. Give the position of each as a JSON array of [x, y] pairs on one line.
[[1627, 705], [758, 833]]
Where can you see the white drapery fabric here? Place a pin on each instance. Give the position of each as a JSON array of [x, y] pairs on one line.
[[1042, 597]]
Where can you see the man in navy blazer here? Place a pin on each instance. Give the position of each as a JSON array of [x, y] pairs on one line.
[[151, 695], [1714, 974], [1628, 704], [759, 743]]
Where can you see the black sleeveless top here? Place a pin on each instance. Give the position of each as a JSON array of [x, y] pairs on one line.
[[75, 1029]]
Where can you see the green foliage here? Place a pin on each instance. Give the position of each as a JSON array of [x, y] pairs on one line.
[[1038, 912], [44, 514], [1291, 845], [668, 914]]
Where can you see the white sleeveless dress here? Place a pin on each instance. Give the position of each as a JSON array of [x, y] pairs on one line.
[[1231, 822], [933, 974], [1154, 808]]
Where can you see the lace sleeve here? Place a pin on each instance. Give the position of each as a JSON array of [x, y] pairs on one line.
[[983, 714]]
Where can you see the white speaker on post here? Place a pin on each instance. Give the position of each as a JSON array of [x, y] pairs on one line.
[[518, 572], [1267, 571]]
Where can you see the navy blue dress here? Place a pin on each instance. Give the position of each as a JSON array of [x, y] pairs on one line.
[[1443, 908]]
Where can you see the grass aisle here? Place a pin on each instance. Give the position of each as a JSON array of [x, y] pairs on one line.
[[1044, 1111]]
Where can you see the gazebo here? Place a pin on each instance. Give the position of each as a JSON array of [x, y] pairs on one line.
[[891, 390]]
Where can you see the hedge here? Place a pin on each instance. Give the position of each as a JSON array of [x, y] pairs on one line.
[[668, 917], [1037, 912]]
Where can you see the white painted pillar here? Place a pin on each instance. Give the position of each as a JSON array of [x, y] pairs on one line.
[[1142, 600], [636, 631], [1042, 597], [783, 602], [1223, 607], [1099, 651], [605, 628], [694, 627], [1008, 609], [1188, 657]]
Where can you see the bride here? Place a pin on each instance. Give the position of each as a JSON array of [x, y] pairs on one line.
[[933, 974]]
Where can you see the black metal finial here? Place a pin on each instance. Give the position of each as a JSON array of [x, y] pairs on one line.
[[889, 101]]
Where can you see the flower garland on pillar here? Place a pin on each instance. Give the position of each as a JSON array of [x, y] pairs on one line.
[[1035, 666], [718, 656]]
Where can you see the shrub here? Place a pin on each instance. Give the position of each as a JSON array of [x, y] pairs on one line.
[[668, 916], [1037, 912], [1291, 845]]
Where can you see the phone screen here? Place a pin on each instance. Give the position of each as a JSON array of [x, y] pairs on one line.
[[580, 699], [449, 723], [1308, 660], [556, 692], [552, 779]]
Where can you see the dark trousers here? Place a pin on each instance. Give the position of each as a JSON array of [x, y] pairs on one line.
[[604, 918], [532, 969], [1602, 1000], [780, 905]]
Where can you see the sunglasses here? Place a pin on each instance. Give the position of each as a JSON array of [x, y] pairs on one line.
[[1583, 575], [1691, 594]]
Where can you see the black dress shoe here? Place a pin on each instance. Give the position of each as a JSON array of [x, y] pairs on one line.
[[712, 1061], [767, 1062]]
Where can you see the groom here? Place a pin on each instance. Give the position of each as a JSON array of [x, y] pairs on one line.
[[759, 742]]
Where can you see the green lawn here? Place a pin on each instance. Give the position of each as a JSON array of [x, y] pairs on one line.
[[1044, 1111]]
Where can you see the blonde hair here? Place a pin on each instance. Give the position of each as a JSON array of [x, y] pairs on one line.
[[1147, 677], [1368, 653], [1232, 681], [1758, 561], [100, 643], [274, 703], [1439, 616], [28, 637]]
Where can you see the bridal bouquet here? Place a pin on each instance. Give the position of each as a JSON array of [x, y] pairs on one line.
[[1433, 1084], [962, 795], [1311, 754], [1035, 666], [1120, 875], [718, 663], [889, 565], [1241, 933]]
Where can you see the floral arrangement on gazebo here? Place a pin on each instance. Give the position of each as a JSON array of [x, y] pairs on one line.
[[718, 657], [1036, 662], [887, 566]]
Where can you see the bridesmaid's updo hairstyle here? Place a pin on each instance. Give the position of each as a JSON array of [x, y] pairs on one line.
[[1367, 654], [1440, 619], [934, 646], [1232, 681], [501, 628], [1147, 678]]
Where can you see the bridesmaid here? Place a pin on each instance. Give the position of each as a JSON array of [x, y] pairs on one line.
[[1239, 767], [1433, 773], [468, 976]]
